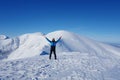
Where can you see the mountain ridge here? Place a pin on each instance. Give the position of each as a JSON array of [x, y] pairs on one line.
[[32, 44]]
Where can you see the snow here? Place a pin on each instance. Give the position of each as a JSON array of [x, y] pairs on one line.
[[3, 37], [79, 58], [69, 66], [7, 46], [32, 44]]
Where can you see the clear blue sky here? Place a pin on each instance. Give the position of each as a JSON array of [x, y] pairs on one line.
[[98, 19]]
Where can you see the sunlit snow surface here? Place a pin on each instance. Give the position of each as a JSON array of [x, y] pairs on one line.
[[79, 58], [69, 66]]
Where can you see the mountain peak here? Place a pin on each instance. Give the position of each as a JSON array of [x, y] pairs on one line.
[[3, 37], [62, 32]]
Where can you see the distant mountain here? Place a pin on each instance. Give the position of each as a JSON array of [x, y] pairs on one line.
[[115, 44], [29, 45], [3, 37]]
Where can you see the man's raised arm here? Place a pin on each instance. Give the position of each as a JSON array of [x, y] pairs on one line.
[[58, 39], [47, 39]]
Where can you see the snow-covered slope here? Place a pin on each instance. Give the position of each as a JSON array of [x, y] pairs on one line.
[[7, 45], [76, 43], [29, 45], [69, 66], [78, 58]]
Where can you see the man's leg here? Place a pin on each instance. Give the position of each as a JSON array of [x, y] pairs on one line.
[[55, 54], [50, 54]]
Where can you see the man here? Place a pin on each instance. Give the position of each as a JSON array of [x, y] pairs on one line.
[[53, 46]]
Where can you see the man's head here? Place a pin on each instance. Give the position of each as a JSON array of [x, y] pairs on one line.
[[53, 39]]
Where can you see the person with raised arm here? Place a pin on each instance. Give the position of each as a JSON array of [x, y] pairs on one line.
[[53, 46]]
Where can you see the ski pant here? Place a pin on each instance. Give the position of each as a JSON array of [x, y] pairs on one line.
[[54, 51]]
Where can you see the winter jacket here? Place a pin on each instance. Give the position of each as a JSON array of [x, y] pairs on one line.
[[53, 43]]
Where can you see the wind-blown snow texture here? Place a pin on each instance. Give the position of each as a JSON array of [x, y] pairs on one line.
[[79, 58]]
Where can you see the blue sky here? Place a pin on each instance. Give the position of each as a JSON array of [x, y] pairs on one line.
[[97, 19]]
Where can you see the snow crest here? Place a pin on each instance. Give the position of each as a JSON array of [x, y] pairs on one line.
[[32, 44]]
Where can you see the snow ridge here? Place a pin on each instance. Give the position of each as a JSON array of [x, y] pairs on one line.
[[32, 44]]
